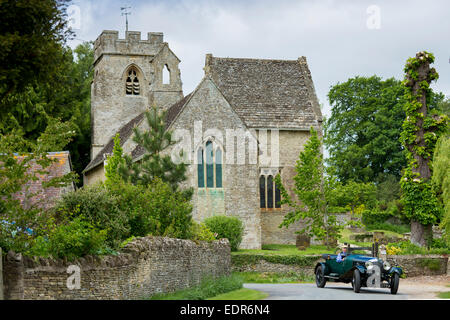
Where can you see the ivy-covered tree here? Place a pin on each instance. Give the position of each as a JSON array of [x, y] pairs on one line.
[[314, 195], [421, 129], [156, 161]]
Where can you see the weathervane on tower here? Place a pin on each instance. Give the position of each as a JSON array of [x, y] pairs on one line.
[[126, 13]]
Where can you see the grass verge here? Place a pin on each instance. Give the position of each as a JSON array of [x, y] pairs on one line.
[[444, 295], [274, 277], [208, 288], [241, 294]]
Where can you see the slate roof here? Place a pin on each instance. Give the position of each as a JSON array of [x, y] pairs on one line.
[[267, 93], [124, 133], [45, 198]]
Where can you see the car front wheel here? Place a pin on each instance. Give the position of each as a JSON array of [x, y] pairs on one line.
[[320, 279], [395, 280], [356, 282]]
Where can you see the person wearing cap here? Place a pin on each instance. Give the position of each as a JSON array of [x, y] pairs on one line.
[[341, 256]]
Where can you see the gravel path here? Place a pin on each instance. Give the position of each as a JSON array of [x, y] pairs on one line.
[[412, 288]]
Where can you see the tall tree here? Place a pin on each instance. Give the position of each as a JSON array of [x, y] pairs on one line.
[[67, 98], [31, 35], [421, 129], [362, 133], [314, 195]]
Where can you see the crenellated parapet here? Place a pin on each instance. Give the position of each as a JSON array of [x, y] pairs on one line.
[[109, 43]]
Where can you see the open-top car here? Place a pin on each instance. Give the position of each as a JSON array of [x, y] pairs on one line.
[[359, 270]]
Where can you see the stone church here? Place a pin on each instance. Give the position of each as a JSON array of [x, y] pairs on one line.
[[245, 122]]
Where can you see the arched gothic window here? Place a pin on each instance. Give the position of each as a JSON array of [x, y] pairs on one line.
[[132, 86], [209, 165], [269, 193]]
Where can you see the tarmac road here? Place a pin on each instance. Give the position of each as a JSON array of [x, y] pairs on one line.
[[332, 291]]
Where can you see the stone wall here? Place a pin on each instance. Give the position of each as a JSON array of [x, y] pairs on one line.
[[412, 265], [420, 265], [144, 267]]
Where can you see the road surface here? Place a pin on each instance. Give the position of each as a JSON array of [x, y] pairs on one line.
[[414, 288]]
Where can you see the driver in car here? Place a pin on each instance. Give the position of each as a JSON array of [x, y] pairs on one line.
[[341, 256]]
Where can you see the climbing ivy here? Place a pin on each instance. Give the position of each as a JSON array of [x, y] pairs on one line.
[[421, 130]]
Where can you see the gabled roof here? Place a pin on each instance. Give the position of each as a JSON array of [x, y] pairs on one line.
[[124, 133], [267, 93]]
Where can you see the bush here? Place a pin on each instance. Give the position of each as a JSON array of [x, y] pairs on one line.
[[227, 227], [154, 209], [99, 207], [200, 232], [406, 247], [389, 227], [73, 239]]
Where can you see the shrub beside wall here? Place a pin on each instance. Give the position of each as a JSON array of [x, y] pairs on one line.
[[144, 267], [230, 228]]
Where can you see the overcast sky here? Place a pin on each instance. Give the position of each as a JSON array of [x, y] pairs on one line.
[[340, 38]]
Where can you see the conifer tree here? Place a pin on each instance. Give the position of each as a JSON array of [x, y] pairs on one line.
[[156, 161]]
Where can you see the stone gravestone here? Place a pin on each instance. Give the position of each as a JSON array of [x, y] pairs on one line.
[[302, 242]]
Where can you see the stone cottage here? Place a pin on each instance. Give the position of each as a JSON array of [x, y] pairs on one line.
[[245, 122]]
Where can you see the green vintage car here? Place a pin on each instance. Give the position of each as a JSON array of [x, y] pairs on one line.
[[359, 270]]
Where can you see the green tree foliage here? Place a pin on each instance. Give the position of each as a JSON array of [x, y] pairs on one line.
[[113, 162], [444, 107], [66, 97], [17, 156], [100, 208], [71, 239], [354, 194], [227, 227], [362, 133], [314, 191], [154, 209], [156, 162], [421, 129], [32, 33], [441, 179]]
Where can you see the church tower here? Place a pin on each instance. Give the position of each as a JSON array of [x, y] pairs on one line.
[[130, 76]]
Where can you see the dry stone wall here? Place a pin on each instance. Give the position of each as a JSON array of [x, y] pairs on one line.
[[144, 267]]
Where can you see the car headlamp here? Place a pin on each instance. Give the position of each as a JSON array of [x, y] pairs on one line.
[[386, 265]]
